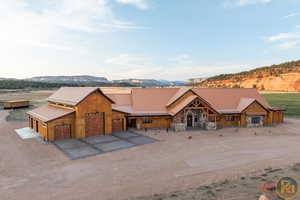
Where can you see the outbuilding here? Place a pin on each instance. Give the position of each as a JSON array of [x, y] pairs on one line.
[[15, 104]]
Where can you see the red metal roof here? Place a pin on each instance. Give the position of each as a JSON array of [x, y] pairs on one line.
[[73, 95], [49, 113], [156, 100]]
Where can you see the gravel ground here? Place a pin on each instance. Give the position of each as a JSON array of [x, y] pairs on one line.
[[36, 98], [242, 188], [29, 168]]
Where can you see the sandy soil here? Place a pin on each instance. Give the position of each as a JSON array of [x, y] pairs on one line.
[[34, 96], [242, 188], [30, 169]]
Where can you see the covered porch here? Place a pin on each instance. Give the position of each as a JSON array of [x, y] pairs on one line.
[[196, 115]]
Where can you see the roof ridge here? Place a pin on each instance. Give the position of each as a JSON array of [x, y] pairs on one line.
[[177, 95], [61, 95]]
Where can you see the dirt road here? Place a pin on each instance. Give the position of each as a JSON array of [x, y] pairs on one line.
[[30, 169]]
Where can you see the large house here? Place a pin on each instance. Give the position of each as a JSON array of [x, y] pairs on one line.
[[78, 112]]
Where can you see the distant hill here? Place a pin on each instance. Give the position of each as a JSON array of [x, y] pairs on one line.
[[26, 84], [81, 81], [150, 82], [23, 84], [281, 77], [93, 79], [69, 79]]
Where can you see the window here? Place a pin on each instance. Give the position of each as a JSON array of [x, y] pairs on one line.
[[182, 119], [255, 120], [147, 121], [196, 118], [229, 118]]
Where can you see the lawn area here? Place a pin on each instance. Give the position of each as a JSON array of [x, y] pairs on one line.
[[289, 101]]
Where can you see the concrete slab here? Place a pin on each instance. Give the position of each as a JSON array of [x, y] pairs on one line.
[[100, 139], [26, 133], [112, 146], [124, 135], [140, 140], [81, 152], [69, 144], [80, 148]]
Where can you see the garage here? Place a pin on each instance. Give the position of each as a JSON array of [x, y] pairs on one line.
[[94, 124], [117, 125], [62, 131]]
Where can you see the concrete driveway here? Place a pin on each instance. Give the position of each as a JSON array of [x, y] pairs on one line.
[[81, 148]]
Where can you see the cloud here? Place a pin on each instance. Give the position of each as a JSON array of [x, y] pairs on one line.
[[177, 68], [292, 15], [240, 3], [289, 44], [140, 4], [285, 41], [282, 36], [52, 24], [127, 60]]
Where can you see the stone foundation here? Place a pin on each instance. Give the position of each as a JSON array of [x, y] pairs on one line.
[[178, 127], [211, 126]]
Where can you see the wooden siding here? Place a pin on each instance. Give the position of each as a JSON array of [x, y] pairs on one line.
[[68, 119], [254, 109], [95, 102], [38, 126], [157, 122], [270, 118], [222, 122], [277, 117], [15, 104], [120, 115]]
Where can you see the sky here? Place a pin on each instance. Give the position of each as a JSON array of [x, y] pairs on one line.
[[160, 39]]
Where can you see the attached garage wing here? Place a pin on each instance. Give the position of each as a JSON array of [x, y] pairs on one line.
[[117, 125], [62, 131], [94, 124]]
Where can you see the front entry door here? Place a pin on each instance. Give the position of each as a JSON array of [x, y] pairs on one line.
[[190, 121]]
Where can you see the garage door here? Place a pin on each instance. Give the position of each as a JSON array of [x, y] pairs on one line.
[[117, 125], [94, 124], [62, 132]]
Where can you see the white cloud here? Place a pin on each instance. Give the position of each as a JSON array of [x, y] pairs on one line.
[[292, 15], [289, 44], [127, 60], [140, 4], [229, 3], [285, 41], [282, 36], [51, 24], [180, 67]]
